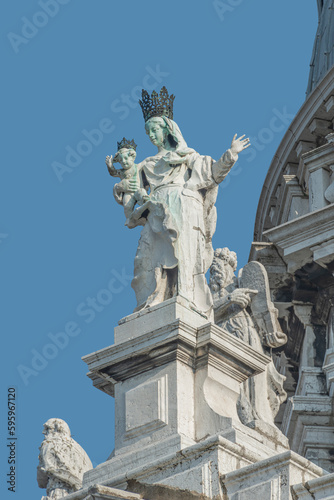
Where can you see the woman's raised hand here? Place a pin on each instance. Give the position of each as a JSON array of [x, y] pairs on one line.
[[240, 144]]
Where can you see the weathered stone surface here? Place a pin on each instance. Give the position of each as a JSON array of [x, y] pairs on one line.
[[100, 492], [321, 488], [161, 492], [270, 479], [196, 468]]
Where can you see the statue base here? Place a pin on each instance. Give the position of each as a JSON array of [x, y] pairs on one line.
[[199, 477], [201, 472], [176, 380]]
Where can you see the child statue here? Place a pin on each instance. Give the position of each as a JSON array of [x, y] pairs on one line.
[[127, 192]]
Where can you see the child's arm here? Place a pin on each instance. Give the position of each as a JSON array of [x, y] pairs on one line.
[[111, 169]]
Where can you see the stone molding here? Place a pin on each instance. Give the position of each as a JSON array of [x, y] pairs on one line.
[[321, 488], [100, 492], [299, 239], [269, 479], [176, 340]]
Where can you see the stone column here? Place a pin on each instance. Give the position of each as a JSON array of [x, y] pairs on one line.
[[315, 172], [329, 193], [303, 313]]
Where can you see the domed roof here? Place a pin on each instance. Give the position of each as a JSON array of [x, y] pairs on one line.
[[323, 51]]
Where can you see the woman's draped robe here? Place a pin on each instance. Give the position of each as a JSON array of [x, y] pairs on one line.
[[175, 249]]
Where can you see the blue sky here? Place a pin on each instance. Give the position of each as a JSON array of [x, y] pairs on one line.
[[71, 73]]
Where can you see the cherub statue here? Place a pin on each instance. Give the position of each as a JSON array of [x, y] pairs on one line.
[[62, 461], [242, 306], [128, 191]]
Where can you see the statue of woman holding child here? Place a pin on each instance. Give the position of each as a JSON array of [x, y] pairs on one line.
[[173, 194], [176, 191]]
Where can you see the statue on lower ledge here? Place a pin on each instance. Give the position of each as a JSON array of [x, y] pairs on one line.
[[62, 461], [242, 307]]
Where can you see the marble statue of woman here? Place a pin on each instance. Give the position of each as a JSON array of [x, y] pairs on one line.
[[175, 249]]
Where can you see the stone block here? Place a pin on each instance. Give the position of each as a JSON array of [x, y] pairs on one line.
[[146, 406], [321, 488], [270, 479], [156, 317]]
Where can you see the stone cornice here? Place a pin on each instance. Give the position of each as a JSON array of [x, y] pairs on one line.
[[298, 237], [208, 345]]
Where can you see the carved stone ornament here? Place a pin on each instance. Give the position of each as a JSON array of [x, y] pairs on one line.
[[242, 306]]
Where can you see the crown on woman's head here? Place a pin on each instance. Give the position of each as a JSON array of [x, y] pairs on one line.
[[125, 143], [157, 104]]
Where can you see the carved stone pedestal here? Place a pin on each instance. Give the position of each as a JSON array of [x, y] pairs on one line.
[[176, 380]]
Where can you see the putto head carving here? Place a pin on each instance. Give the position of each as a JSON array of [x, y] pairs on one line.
[[125, 143], [157, 104]]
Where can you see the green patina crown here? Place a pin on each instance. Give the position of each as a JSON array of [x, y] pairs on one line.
[[157, 104], [125, 143]]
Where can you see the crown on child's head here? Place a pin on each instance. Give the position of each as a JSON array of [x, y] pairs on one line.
[[157, 104], [125, 143]]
